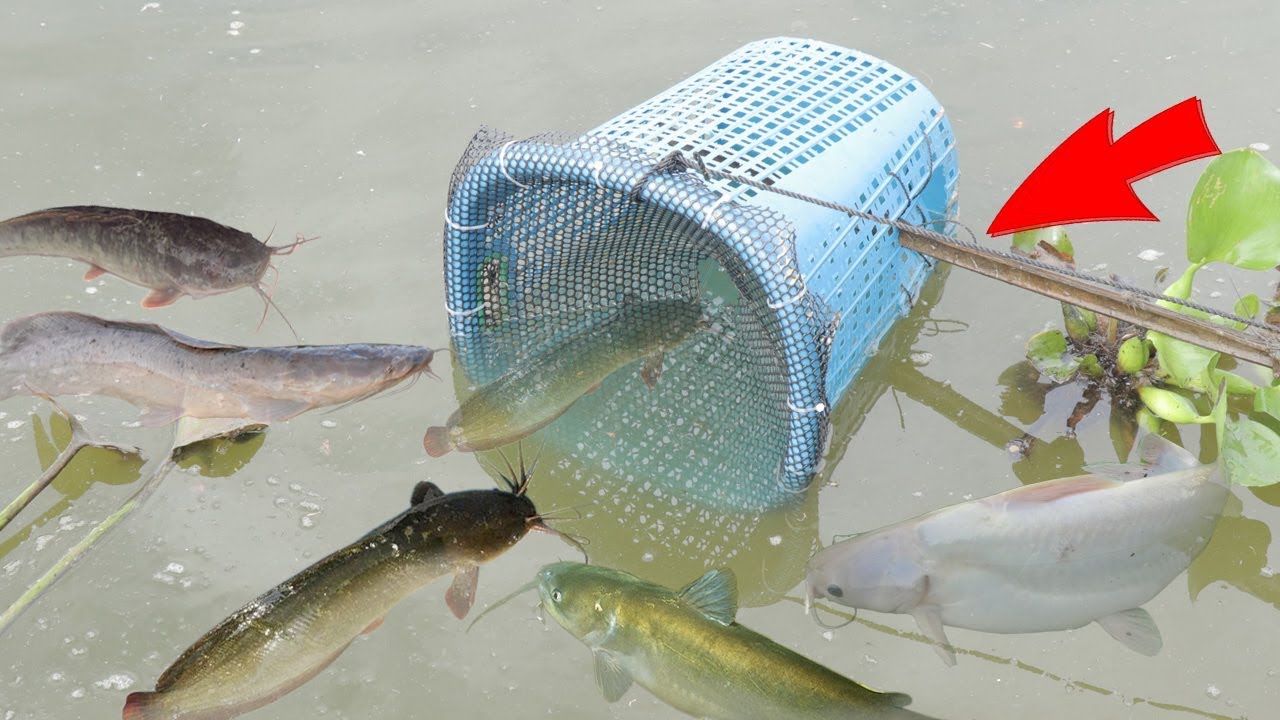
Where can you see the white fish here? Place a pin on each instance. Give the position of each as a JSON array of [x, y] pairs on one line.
[[1056, 555]]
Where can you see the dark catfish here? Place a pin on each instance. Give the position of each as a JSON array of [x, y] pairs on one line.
[[291, 633], [169, 375], [170, 254]]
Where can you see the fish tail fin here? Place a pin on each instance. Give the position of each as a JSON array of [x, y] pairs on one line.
[[897, 699], [437, 441], [142, 706]]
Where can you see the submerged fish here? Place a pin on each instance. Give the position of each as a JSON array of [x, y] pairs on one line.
[[1056, 555], [686, 648], [533, 394], [168, 375], [291, 633], [171, 254]]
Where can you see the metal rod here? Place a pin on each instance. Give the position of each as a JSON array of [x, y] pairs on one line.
[[1123, 306]]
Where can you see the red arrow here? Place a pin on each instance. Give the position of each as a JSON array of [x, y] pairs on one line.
[[1089, 176]]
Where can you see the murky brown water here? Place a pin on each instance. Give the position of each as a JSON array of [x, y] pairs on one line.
[[343, 121]]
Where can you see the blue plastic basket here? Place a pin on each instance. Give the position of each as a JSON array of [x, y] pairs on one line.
[[795, 114]]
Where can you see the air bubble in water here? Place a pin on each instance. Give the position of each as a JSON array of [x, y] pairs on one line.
[[1213, 692]]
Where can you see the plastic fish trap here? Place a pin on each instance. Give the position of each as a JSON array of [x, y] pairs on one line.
[[546, 236]]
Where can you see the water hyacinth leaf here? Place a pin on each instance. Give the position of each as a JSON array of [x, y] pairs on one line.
[[1267, 400], [1089, 366], [1169, 405], [1079, 322], [1251, 452], [1181, 288], [1235, 385], [1234, 212], [1186, 365], [1031, 242], [1248, 306], [1048, 352]]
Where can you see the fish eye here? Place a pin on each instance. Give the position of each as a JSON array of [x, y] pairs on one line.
[[556, 596], [835, 591]]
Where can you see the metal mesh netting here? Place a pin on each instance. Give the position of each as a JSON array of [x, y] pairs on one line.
[[550, 239]]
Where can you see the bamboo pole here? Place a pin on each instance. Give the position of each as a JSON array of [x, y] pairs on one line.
[[1124, 306]]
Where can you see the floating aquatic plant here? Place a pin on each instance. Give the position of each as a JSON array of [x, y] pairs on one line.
[[1233, 217]]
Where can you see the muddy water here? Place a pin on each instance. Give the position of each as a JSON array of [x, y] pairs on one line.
[[343, 121]]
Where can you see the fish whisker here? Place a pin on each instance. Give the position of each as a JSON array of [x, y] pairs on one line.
[[523, 588], [578, 542], [272, 304], [808, 601], [298, 240]]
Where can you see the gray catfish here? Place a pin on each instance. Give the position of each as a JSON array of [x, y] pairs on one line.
[[171, 254], [294, 631], [169, 375]]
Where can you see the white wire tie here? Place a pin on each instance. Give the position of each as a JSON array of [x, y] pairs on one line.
[[464, 313], [713, 212], [502, 165], [596, 167], [820, 407], [456, 226], [791, 301]]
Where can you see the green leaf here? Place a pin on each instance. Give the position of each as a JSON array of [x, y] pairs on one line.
[[1248, 306], [1267, 400], [1181, 288], [1187, 365], [1236, 385], [1090, 367], [1234, 212], [1048, 352], [1251, 453], [1169, 405], [1028, 242]]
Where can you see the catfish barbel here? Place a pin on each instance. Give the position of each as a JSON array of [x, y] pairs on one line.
[[540, 389], [685, 647], [292, 632], [170, 254], [168, 375], [1055, 555]]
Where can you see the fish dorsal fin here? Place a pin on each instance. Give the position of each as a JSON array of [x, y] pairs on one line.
[[714, 595], [1135, 629], [423, 492], [611, 678], [1051, 490], [197, 342], [1164, 456]]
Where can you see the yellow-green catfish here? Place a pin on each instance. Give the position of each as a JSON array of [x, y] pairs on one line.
[[686, 648], [535, 393]]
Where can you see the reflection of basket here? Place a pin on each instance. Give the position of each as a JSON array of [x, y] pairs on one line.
[[544, 236]]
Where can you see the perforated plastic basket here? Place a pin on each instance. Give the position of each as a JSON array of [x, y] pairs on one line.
[[542, 234]]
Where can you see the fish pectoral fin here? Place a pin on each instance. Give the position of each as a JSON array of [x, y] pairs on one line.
[[159, 415], [161, 297], [193, 430], [714, 595], [266, 410], [1164, 456], [94, 272], [461, 595], [1134, 629], [611, 678], [424, 491], [1123, 472], [652, 369], [929, 620]]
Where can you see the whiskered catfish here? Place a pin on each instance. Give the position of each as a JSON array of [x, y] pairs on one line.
[[170, 254], [292, 632], [1055, 555], [685, 647], [542, 388], [168, 375]]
